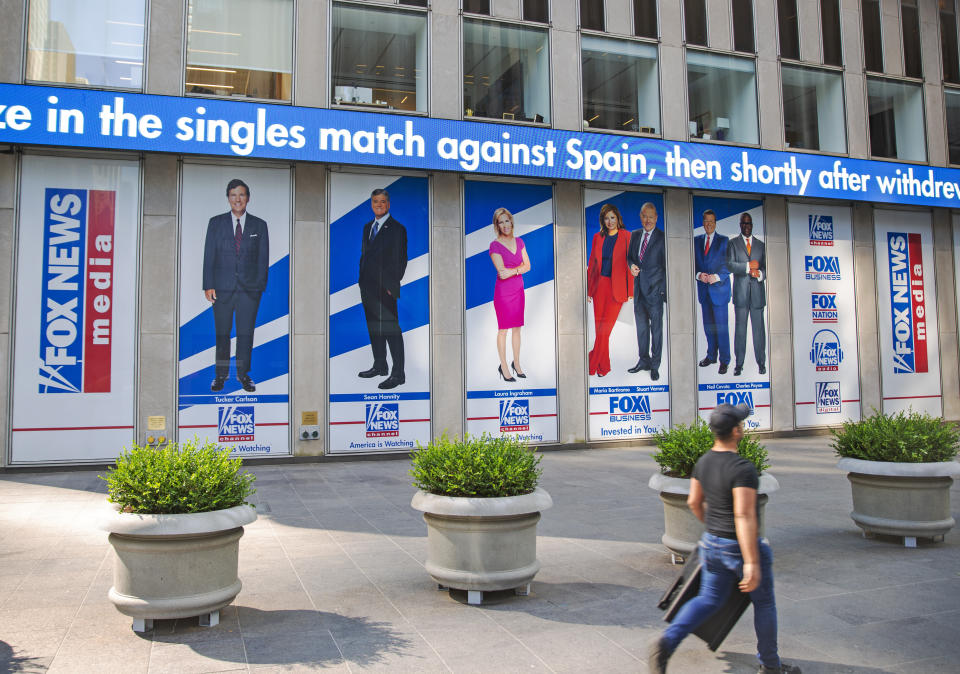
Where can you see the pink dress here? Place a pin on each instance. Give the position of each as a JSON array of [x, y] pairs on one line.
[[508, 293]]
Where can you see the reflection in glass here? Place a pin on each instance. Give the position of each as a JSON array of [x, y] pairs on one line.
[[895, 110], [951, 98], [723, 97], [620, 86], [812, 106]]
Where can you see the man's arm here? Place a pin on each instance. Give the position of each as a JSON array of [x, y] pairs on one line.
[[745, 520], [695, 498], [263, 257], [209, 261], [733, 264]]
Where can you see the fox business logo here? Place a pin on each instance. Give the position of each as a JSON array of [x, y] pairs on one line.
[[828, 397], [236, 424], [736, 398], [630, 408], [821, 230], [823, 307], [825, 351], [821, 267], [514, 415], [383, 420]]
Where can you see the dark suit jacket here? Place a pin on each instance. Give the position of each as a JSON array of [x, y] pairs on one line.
[[747, 291], [383, 261], [715, 262], [223, 269], [620, 276], [651, 282]]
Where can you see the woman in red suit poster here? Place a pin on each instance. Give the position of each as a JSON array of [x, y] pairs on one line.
[[609, 283], [509, 255]]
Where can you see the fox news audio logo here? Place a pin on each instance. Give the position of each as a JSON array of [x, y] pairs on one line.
[[630, 408], [825, 351], [821, 267], [908, 310], [236, 424], [823, 307], [514, 415], [736, 398], [383, 420], [828, 397], [76, 293], [821, 230]]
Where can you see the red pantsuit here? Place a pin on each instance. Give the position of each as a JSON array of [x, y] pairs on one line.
[[608, 294]]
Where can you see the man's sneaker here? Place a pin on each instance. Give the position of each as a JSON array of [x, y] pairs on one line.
[[782, 669], [657, 656]]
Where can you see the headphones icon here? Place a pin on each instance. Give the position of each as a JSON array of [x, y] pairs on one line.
[[816, 339]]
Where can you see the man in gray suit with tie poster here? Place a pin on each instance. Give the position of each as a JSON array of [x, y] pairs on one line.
[[647, 257], [747, 261]]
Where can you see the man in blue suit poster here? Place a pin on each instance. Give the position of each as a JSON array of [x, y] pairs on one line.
[[236, 258], [647, 258], [713, 290]]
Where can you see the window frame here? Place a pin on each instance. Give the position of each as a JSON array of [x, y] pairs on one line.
[[954, 90], [547, 22], [903, 40], [956, 32], [706, 26], [603, 18], [842, 63], [799, 56], [863, 39], [756, 93], [633, 25], [913, 82], [790, 63], [753, 29]]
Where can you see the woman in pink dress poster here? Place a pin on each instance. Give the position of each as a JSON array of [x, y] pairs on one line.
[[509, 256]]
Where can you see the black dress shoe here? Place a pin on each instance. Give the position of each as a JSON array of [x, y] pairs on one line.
[[247, 383], [639, 366], [763, 369], [723, 368], [392, 381], [737, 371], [654, 374], [217, 384], [373, 372], [705, 362]]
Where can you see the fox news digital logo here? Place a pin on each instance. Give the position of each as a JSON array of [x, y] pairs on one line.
[[823, 307], [630, 408], [821, 267], [514, 415], [736, 398], [821, 230], [236, 424], [383, 420], [828, 397], [825, 351]]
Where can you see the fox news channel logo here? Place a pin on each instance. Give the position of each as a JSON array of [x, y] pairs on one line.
[[828, 397], [821, 230], [825, 351], [821, 267], [236, 424], [736, 398], [630, 408], [823, 307], [514, 415], [383, 420], [908, 303]]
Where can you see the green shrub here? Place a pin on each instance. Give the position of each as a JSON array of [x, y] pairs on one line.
[[174, 479], [482, 466], [906, 438], [679, 448]]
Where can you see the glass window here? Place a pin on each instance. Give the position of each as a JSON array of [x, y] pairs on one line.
[[830, 28], [723, 97], [695, 21], [951, 98], [591, 14], [948, 41], [476, 6], [414, 3], [743, 26], [240, 48], [645, 18], [910, 28], [96, 43], [620, 85], [536, 10], [506, 72], [789, 33], [379, 58], [895, 110], [813, 109], [872, 36]]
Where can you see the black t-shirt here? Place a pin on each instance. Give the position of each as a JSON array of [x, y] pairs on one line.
[[606, 263], [719, 473]]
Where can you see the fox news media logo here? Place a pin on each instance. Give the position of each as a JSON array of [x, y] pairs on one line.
[[76, 291], [821, 230], [514, 415], [823, 307], [828, 397], [908, 308], [821, 267], [383, 420], [825, 352], [736, 398], [630, 408], [236, 424]]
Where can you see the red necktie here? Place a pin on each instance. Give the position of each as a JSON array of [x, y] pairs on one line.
[[237, 236], [706, 249]]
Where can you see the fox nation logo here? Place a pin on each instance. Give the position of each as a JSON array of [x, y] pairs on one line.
[[825, 351], [736, 398], [383, 420], [821, 230], [828, 397], [630, 408], [823, 307], [514, 415], [236, 424]]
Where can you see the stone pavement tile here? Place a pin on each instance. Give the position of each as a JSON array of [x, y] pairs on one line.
[[225, 653], [578, 649], [29, 645], [890, 603], [256, 623], [390, 651], [798, 617], [23, 618], [928, 666], [189, 630], [101, 655], [340, 667], [54, 597], [448, 614], [292, 647], [486, 649], [279, 581]]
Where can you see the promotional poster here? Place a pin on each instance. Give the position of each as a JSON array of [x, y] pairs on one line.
[[730, 266], [510, 326], [379, 317], [76, 292], [235, 308], [907, 312], [626, 314], [826, 372]]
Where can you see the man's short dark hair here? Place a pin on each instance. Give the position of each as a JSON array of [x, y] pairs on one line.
[[725, 418], [236, 182], [746, 215], [377, 192]]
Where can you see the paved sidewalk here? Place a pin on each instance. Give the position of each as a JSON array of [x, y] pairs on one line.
[[333, 579]]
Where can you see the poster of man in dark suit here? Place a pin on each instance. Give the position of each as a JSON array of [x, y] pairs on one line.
[[747, 261], [713, 290], [236, 259], [647, 258], [383, 261]]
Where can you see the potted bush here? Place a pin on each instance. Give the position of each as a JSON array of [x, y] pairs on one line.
[[176, 522], [481, 503], [678, 450], [900, 469]]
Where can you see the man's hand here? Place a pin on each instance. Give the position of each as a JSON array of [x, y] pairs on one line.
[[751, 577], [754, 265], [755, 273], [634, 269], [211, 294]]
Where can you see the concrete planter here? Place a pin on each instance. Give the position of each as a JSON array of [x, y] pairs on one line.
[[176, 566], [682, 529], [482, 544], [901, 499]]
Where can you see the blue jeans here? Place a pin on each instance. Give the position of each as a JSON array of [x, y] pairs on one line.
[[722, 570]]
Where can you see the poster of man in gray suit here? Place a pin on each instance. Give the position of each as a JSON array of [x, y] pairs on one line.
[[747, 261]]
